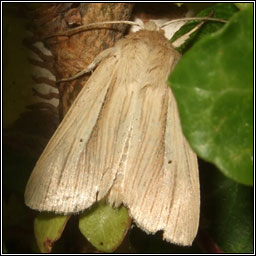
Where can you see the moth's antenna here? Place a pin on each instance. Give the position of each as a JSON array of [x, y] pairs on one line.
[[179, 41], [195, 18], [85, 27]]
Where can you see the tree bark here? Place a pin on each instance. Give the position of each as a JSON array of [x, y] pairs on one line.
[[74, 53]]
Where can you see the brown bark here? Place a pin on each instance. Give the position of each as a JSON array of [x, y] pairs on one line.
[[74, 53]]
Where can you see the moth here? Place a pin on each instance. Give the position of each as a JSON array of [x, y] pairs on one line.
[[122, 140]]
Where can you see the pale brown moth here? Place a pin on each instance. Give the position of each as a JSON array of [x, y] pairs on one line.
[[122, 139]]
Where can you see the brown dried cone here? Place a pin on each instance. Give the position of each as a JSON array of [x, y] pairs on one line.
[[74, 53]]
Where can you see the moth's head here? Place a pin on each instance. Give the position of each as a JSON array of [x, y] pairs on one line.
[[151, 26], [156, 25]]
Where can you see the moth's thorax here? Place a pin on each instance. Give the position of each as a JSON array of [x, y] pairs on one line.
[[146, 55], [151, 37]]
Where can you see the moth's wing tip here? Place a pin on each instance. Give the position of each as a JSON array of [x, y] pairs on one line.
[[182, 224], [182, 241]]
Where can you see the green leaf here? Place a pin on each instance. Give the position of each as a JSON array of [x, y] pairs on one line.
[[222, 11], [48, 228], [242, 6], [228, 209], [213, 85], [104, 226]]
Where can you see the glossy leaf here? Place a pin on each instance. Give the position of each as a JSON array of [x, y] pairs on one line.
[[213, 85], [104, 226], [227, 211], [222, 11], [48, 228], [243, 5]]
